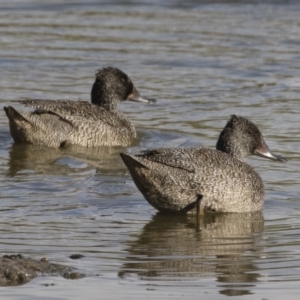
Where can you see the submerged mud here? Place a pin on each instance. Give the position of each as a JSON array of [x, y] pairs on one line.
[[17, 270]]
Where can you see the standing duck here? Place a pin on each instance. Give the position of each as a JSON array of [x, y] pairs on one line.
[[178, 180], [56, 123]]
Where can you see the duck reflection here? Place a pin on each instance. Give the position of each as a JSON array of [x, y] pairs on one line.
[[222, 246], [72, 159]]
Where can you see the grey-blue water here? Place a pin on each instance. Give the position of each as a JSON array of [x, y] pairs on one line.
[[203, 61]]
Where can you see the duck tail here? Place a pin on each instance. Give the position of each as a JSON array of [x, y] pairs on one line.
[[14, 115], [131, 161]]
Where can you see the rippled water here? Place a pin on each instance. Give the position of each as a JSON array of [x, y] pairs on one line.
[[203, 61]]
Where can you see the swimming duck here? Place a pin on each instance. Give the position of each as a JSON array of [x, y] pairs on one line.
[[178, 180], [56, 123]]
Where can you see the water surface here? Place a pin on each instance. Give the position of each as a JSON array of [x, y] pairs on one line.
[[203, 61]]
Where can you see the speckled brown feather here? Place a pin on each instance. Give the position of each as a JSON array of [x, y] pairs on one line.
[[110, 129], [59, 122], [174, 180]]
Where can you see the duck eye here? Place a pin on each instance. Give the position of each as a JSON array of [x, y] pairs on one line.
[[124, 79], [250, 131]]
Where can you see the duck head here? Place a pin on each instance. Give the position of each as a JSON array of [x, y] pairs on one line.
[[241, 137], [112, 86]]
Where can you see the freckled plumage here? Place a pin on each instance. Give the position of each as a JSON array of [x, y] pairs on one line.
[[55, 123], [174, 179]]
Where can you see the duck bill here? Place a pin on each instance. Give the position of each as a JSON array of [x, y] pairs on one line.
[[136, 97], [264, 151]]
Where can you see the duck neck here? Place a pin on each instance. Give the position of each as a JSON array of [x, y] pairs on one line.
[[103, 97], [226, 144]]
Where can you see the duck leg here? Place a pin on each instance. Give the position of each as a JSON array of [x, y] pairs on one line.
[[198, 204]]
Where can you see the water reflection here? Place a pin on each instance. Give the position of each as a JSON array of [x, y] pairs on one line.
[[72, 159], [179, 246]]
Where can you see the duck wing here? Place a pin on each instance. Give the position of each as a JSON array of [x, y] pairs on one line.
[[188, 159], [77, 111], [65, 108]]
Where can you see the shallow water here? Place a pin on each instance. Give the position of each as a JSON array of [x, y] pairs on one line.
[[203, 61]]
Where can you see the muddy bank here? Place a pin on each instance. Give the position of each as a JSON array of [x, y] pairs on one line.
[[16, 270]]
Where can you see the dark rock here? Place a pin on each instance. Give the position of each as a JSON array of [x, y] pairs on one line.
[[17, 270], [44, 259], [76, 256], [73, 275]]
